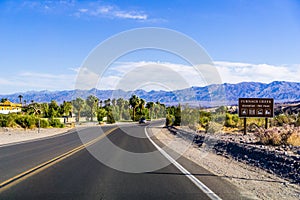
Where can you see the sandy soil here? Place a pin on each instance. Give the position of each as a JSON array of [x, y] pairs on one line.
[[13, 135], [253, 181]]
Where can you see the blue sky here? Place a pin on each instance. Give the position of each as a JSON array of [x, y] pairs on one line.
[[43, 43]]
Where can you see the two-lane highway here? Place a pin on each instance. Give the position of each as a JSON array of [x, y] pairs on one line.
[[81, 176]]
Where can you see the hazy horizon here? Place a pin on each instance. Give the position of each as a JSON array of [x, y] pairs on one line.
[[37, 91]]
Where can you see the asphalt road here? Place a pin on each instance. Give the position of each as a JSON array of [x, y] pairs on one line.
[[82, 176]]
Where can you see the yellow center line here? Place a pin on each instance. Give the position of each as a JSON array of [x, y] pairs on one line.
[[51, 162]]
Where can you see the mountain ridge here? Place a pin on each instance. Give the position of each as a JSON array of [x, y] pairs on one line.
[[281, 91]]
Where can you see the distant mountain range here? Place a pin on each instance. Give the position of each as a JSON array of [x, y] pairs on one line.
[[281, 91]]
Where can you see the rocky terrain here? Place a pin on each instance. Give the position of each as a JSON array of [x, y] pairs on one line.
[[284, 161], [253, 182]]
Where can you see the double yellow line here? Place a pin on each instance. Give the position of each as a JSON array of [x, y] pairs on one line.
[[53, 161]]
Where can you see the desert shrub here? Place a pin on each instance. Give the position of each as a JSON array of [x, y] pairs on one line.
[[214, 127], [231, 120], [189, 117], [8, 120], [280, 120], [218, 118], [297, 121], [110, 117], [269, 137], [169, 120], [26, 121], [3, 121], [260, 122], [204, 118], [177, 116], [279, 135], [43, 123], [55, 123], [126, 115], [101, 113], [294, 138]]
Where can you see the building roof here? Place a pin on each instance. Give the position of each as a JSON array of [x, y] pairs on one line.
[[8, 103]]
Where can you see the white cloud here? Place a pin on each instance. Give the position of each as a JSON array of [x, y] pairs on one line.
[[83, 10], [48, 6], [86, 9], [36, 81], [105, 9], [229, 72], [234, 72], [150, 75], [130, 15], [111, 12], [76, 69]]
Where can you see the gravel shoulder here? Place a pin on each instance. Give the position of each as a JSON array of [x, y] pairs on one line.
[[16, 135], [253, 181]]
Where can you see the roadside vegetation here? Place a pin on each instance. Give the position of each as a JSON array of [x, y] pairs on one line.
[[284, 129], [91, 109]]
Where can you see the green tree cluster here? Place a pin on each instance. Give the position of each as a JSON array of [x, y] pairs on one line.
[[27, 121], [112, 110]]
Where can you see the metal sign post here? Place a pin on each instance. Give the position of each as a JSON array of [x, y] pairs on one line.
[[245, 126], [39, 129]]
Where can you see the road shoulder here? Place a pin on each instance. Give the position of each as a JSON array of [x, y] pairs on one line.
[[251, 182]]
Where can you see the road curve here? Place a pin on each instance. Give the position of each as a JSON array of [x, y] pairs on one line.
[[81, 176]]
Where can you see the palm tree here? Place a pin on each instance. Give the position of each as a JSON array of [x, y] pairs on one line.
[[66, 108], [34, 109], [134, 102], [114, 102], [120, 104], [91, 101], [3, 100], [78, 104], [20, 97], [142, 105], [150, 106], [107, 103]]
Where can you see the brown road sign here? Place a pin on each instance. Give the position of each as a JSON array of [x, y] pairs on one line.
[[256, 107]]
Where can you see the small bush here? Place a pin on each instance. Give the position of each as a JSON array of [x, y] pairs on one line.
[[279, 135], [101, 113], [219, 118], [55, 123], [294, 138], [280, 120], [169, 120], [8, 120], [231, 120], [43, 123], [26, 121], [110, 118], [214, 127]]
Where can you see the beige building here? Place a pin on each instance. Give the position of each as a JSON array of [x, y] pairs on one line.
[[9, 107]]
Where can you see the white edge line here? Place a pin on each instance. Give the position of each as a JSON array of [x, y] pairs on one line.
[[196, 181]]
